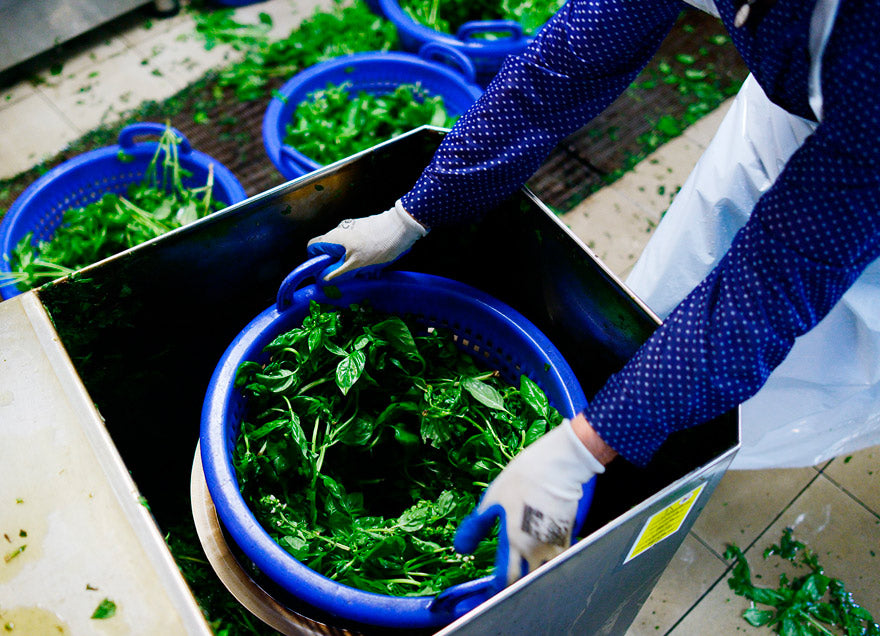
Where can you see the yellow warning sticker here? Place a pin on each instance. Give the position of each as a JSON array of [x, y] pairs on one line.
[[664, 523]]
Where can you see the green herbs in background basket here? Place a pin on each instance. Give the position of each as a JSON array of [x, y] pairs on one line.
[[331, 31], [812, 604], [447, 16], [333, 124], [115, 223], [365, 445]]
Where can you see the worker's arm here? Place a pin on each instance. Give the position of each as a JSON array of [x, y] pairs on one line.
[[808, 239], [585, 57], [580, 62]]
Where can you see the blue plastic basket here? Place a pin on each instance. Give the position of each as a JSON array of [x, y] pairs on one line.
[[439, 70], [486, 55], [493, 332], [86, 178]]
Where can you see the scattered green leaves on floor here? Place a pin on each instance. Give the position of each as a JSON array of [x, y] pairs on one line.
[[105, 609], [812, 604]]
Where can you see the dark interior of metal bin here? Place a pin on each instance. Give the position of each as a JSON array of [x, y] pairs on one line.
[[145, 329]]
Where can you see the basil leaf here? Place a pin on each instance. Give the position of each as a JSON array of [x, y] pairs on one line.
[[398, 335], [534, 396], [757, 618], [105, 609], [483, 393], [349, 370]]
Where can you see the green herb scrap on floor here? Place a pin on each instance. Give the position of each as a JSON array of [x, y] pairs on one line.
[[807, 605], [157, 204], [333, 123], [367, 442]]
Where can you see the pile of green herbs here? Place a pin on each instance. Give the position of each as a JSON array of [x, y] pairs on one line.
[[333, 123], [808, 605], [447, 16], [368, 440], [158, 203]]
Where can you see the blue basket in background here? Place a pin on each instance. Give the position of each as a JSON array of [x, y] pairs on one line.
[[487, 55], [439, 70], [499, 338], [86, 178]]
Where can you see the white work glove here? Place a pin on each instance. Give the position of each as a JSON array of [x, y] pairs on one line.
[[537, 498], [368, 242]]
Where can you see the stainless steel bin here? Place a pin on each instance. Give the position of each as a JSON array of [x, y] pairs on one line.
[[145, 329]]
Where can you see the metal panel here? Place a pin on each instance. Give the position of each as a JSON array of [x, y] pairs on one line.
[[146, 328], [591, 588], [31, 27], [75, 531]]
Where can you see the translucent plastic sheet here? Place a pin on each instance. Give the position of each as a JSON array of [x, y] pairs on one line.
[[824, 399]]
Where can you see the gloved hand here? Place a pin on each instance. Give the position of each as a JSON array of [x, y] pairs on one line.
[[536, 497], [372, 241]]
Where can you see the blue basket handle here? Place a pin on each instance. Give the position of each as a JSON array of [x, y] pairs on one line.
[[293, 163], [435, 51], [468, 30], [487, 586], [127, 135], [309, 269], [447, 600]]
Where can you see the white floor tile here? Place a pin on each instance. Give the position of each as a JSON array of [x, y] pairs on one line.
[[151, 28], [654, 181], [80, 61], [844, 536], [692, 571], [614, 227], [746, 502], [178, 55], [109, 88], [703, 130], [16, 92], [859, 473], [31, 130]]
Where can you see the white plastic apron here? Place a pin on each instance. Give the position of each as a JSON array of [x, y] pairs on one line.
[[824, 399]]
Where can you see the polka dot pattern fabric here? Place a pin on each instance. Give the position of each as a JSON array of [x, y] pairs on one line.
[[809, 236], [808, 239], [582, 60]]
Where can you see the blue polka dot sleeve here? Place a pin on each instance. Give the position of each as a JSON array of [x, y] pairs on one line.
[[582, 60], [808, 239]]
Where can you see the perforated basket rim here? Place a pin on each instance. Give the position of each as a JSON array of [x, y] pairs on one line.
[[239, 521]]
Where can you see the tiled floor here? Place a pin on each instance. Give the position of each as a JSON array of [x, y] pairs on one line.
[[834, 508]]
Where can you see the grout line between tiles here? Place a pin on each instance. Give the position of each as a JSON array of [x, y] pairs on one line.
[[699, 600], [707, 546], [51, 102], [778, 515], [851, 495]]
